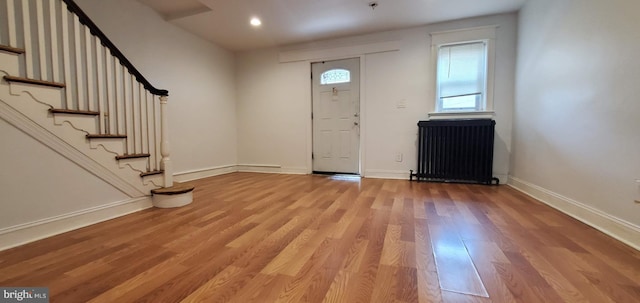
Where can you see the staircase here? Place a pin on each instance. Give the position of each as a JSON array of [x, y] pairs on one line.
[[67, 85]]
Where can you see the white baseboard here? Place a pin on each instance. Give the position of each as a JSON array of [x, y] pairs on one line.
[[204, 173], [272, 169], [295, 170], [28, 232], [622, 230], [386, 174]]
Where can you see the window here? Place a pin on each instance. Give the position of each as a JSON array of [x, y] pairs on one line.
[[461, 77], [335, 76], [463, 69]]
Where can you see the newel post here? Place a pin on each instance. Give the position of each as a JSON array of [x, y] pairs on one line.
[[165, 163]]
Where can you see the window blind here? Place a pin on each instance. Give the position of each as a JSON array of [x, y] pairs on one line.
[[461, 76]]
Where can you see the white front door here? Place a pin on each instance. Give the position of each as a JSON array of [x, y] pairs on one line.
[[336, 116]]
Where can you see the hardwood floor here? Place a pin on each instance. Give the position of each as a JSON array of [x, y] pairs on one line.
[[290, 238]]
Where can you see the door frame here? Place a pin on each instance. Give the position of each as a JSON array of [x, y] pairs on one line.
[[363, 124]]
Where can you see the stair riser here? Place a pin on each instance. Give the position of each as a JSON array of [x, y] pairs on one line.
[[51, 96], [153, 180], [139, 164], [87, 124], [172, 201], [115, 146], [9, 63]]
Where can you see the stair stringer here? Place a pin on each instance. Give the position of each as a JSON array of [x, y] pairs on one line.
[[21, 108]]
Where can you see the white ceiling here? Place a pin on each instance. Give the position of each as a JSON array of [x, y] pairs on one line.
[[226, 22]]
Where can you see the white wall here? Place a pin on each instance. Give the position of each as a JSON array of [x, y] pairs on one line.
[[38, 183], [274, 99], [273, 111], [199, 76], [577, 113]]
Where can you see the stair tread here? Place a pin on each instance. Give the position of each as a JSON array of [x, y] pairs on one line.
[[99, 136], [151, 173], [33, 81], [12, 49], [132, 156], [74, 112], [176, 189]]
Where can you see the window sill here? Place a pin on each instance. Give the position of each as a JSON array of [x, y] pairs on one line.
[[461, 115]]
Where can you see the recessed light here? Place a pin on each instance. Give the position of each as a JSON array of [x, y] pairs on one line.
[[255, 21]]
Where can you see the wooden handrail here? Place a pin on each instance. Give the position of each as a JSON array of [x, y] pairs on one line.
[[84, 19]]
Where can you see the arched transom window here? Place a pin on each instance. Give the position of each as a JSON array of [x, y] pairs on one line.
[[335, 76]]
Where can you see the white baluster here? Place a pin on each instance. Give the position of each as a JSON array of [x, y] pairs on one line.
[[100, 85], [134, 114], [138, 116], [145, 123], [2, 32], [126, 89], [11, 20], [118, 97], [53, 26], [153, 149], [157, 138], [164, 143], [28, 47], [90, 84], [78, 45], [42, 51], [111, 99], [66, 56]]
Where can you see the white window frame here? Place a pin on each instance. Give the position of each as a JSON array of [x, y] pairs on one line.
[[486, 34]]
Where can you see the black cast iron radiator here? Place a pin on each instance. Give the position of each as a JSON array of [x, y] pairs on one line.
[[456, 151]]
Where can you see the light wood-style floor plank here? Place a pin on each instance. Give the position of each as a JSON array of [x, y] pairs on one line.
[[456, 271], [289, 238]]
